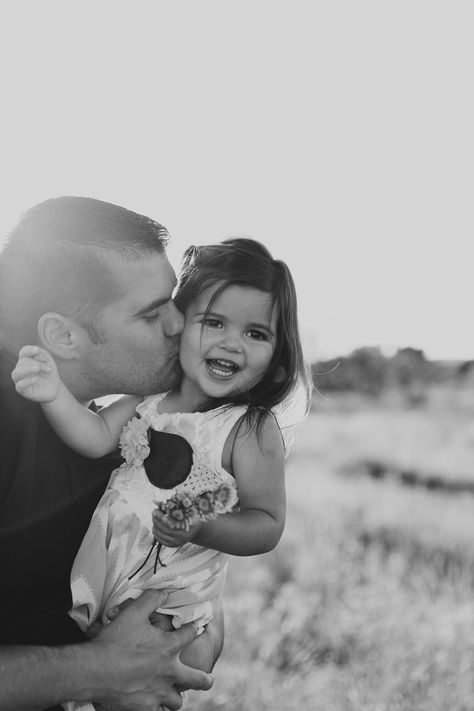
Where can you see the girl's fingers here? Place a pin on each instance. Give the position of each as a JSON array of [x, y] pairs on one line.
[[27, 364], [22, 371], [159, 531], [34, 352], [159, 518], [167, 538], [162, 531], [26, 368], [44, 368], [168, 543], [25, 383], [29, 351]]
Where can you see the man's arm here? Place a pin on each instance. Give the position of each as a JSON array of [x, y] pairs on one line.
[[129, 665]]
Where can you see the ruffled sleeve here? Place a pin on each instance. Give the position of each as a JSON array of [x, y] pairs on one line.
[[290, 414], [148, 408]]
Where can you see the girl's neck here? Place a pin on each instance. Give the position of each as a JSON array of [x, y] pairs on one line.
[[185, 398]]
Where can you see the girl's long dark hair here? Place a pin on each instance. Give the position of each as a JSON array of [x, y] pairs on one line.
[[245, 262]]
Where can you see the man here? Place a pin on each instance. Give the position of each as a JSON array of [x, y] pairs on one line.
[[91, 283]]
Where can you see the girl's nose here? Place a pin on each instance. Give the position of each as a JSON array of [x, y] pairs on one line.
[[174, 323], [231, 342]]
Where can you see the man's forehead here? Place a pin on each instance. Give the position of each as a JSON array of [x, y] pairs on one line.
[[149, 278]]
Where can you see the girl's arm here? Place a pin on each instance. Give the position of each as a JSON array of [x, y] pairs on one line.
[[92, 434], [258, 467]]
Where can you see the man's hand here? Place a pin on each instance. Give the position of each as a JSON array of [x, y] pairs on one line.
[[173, 537], [35, 375], [129, 666], [143, 661], [202, 653]]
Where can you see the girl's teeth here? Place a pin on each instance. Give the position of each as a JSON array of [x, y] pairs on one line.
[[222, 368], [222, 373]]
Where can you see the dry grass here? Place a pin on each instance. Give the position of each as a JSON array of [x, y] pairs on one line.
[[367, 603]]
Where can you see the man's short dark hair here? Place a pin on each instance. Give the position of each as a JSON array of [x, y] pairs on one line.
[[57, 259]]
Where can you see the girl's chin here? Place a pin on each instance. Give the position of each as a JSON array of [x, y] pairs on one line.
[[214, 387]]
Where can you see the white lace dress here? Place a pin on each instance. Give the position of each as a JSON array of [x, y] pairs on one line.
[[120, 535]]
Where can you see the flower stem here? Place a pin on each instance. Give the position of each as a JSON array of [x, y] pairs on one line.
[[158, 559], [145, 561]]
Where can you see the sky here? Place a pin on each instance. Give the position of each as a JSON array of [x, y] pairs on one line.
[[337, 133]]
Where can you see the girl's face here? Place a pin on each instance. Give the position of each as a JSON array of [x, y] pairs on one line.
[[229, 349]]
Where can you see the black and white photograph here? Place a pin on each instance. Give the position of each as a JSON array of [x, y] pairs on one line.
[[236, 359]]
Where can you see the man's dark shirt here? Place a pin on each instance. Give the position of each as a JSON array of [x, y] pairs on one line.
[[47, 496]]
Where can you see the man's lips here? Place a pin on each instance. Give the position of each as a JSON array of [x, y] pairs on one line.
[[173, 359], [174, 349]]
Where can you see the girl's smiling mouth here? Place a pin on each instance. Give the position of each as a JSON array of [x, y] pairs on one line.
[[221, 368]]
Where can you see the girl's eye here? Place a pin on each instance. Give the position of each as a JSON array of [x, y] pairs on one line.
[[212, 323], [257, 335]]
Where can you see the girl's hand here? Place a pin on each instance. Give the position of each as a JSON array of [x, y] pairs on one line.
[[35, 375], [172, 537]]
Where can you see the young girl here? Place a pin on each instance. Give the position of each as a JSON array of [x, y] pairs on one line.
[[242, 365]]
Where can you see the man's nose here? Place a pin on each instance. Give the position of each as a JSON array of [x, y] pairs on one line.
[[174, 321]]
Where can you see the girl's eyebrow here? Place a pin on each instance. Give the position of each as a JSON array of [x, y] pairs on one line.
[[204, 312], [213, 314]]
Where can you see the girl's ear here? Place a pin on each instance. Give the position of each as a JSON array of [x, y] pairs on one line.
[[279, 375], [59, 335]]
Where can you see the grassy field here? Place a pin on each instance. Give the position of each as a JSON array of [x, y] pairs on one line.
[[368, 601]]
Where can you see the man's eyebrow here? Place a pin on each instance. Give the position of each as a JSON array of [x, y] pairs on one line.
[[153, 305]]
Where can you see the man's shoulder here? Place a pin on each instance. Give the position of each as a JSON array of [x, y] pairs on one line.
[[7, 363], [11, 404], [10, 401]]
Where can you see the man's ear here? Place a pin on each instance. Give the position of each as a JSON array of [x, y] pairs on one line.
[[59, 335]]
